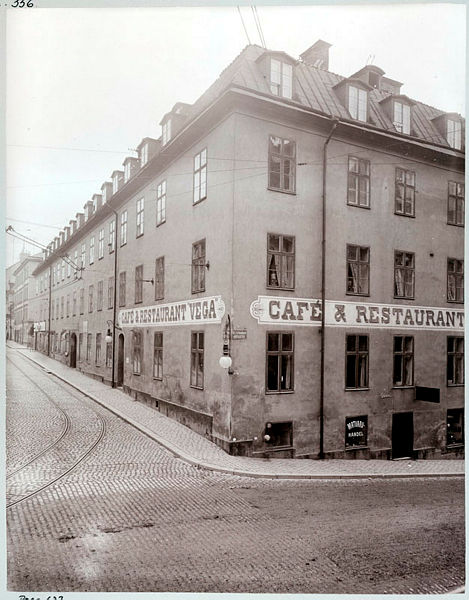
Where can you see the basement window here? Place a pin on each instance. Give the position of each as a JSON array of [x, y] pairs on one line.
[[455, 427], [279, 434]]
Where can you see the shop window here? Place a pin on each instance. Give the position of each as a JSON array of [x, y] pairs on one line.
[[280, 261], [98, 348], [356, 375], [404, 274], [159, 278], [280, 362], [279, 434], [358, 270], [403, 365], [455, 280], [140, 216], [137, 352], [198, 267], [358, 187], [455, 203], [405, 193], [122, 278], [455, 427], [161, 203], [197, 359], [356, 431], [138, 284], [158, 355], [282, 164], [200, 176], [281, 78], [455, 361]]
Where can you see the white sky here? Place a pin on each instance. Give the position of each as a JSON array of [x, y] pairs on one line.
[[101, 79]]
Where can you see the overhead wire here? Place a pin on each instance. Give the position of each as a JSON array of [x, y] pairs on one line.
[[244, 26]]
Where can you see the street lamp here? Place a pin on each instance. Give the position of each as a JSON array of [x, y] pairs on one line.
[[225, 361]]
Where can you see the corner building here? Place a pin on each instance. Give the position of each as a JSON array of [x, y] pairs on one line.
[[211, 244]]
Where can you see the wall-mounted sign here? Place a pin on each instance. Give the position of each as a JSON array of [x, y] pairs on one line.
[[305, 311], [188, 312], [239, 334], [356, 431]]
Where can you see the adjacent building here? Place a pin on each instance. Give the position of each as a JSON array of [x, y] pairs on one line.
[[21, 293], [195, 280]]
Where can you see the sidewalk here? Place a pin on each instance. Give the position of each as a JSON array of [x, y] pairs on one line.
[[195, 449]]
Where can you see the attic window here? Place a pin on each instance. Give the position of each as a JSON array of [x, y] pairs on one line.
[[281, 78], [357, 103], [127, 171], [166, 131], [453, 133], [401, 118], [144, 155]]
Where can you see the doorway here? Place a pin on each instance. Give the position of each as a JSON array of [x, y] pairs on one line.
[[73, 350], [403, 435], [120, 361]]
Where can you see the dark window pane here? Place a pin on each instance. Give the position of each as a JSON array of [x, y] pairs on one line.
[[272, 373], [273, 342]]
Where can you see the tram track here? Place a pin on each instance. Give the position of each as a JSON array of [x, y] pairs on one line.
[[66, 429]]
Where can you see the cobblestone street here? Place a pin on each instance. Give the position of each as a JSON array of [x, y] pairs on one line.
[[124, 514]]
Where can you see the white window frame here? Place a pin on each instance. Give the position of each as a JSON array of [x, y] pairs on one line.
[[127, 171], [166, 132], [200, 176], [401, 119], [143, 155], [112, 236], [123, 228], [161, 203], [454, 133], [91, 255], [140, 219], [281, 78], [358, 103]]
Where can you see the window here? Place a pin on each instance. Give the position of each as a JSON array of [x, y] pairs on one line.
[[63, 270], [112, 236], [453, 133], [161, 203], [455, 426], [99, 301], [402, 117], [158, 356], [455, 364], [122, 289], [357, 103], [455, 280], [80, 345], [279, 434], [143, 155], [101, 243], [82, 301], [197, 359], [455, 203], [166, 131], [83, 255], [52, 311], [74, 303], [281, 78], [404, 274], [159, 278], [109, 354], [137, 352], [98, 348], [61, 308], [127, 171], [110, 292], [198, 267], [405, 193], [200, 176], [124, 228], [90, 298], [403, 365], [358, 187], [69, 268], [75, 261], [88, 347], [279, 368], [280, 261], [356, 431], [138, 284], [67, 306], [92, 250], [282, 159], [356, 370], [358, 270], [140, 215]]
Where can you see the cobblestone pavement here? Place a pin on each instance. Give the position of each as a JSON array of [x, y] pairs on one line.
[[132, 517]]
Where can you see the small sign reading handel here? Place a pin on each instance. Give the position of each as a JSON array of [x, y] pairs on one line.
[[188, 312], [305, 311]]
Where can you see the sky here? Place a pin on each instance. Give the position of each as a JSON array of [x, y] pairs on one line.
[[85, 85]]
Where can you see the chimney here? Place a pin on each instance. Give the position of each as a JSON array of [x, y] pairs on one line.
[[97, 200], [317, 55], [73, 226], [80, 218]]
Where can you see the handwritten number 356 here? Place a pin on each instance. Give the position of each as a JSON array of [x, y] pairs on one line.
[[22, 4]]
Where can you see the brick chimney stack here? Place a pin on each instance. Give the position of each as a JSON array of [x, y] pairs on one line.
[[317, 55]]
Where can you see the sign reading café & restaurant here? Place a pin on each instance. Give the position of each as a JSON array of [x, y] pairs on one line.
[[188, 312], [305, 311]]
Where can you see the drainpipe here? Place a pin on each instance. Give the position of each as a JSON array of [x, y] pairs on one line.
[[113, 378], [335, 122]]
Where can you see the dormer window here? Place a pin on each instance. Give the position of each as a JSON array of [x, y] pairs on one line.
[[166, 132], [358, 103], [115, 185], [401, 119], [127, 171], [281, 78], [144, 155], [453, 133]]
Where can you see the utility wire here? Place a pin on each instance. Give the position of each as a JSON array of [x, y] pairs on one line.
[[257, 26], [244, 26], [256, 16]]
